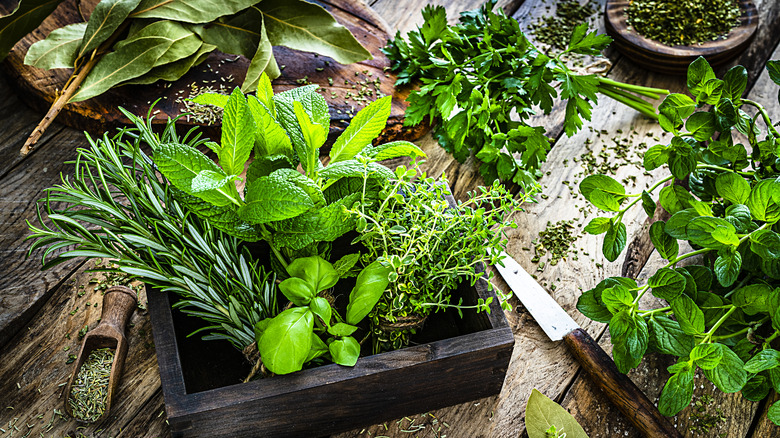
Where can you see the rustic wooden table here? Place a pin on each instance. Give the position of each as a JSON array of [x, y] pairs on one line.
[[41, 312]]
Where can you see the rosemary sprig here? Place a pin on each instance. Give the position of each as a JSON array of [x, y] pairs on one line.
[[117, 206]]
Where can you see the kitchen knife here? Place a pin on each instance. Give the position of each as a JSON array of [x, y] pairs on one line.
[[557, 324]]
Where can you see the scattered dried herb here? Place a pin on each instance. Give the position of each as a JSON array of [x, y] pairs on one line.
[[89, 393], [556, 240], [555, 30], [675, 22]]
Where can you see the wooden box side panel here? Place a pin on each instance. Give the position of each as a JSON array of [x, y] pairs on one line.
[[396, 390]]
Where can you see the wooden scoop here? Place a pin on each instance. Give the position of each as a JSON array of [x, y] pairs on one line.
[[119, 302]]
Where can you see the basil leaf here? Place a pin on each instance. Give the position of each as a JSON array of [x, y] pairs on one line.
[[369, 287], [345, 351], [321, 307], [318, 348], [286, 341], [341, 329], [315, 271], [297, 290]]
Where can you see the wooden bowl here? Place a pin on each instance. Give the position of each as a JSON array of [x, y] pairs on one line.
[[659, 57]]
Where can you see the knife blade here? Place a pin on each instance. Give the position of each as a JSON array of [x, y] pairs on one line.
[[557, 325]]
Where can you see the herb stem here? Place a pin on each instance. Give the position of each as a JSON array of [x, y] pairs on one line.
[[741, 332], [645, 91], [716, 326], [765, 115], [724, 169], [629, 103], [690, 254]]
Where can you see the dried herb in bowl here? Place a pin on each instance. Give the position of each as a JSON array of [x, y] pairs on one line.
[[679, 23]]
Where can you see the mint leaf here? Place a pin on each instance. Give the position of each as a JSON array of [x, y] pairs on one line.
[[729, 375], [209, 180], [629, 339], [762, 201], [763, 360], [688, 314], [354, 168], [238, 131], [314, 136], [273, 198], [732, 187], [667, 284], [614, 241], [598, 225], [667, 337], [707, 356], [270, 137], [180, 164], [752, 298], [677, 392], [727, 266], [665, 244], [395, 149], [362, 130]]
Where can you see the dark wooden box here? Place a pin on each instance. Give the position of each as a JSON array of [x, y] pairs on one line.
[[457, 360]]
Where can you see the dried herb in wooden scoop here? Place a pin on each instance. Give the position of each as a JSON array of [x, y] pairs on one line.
[[89, 392]]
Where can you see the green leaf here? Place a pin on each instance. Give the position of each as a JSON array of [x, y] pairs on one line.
[[701, 125], [590, 305], [315, 271], [182, 164], [308, 27], [541, 413], [677, 224], [321, 307], [677, 392], [58, 50], [354, 168], [681, 160], [604, 183], [667, 284], [765, 243], [318, 348], [614, 241], [345, 351], [238, 34], [129, 62], [648, 204], [297, 290], [673, 110], [598, 225], [665, 244], [674, 198], [727, 266], [688, 314], [341, 329], [207, 180], [735, 83], [394, 149], [756, 388], [699, 73], [763, 360], [266, 165], [752, 298], [184, 42], [587, 43], [773, 413], [761, 201], [324, 225], [618, 298], [238, 133], [707, 356], [655, 157], [732, 188], [216, 99], [286, 340], [105, 19], [27, 15], [263, 62], [700, 231], [667, 337], [273, 198], [190, 11], [364, 127], [175, 70], [270, 137], [729, 376], [344, 265], [369, 287], [629, 340]]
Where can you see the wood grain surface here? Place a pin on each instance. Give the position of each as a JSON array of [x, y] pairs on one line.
[[35, 353], [223, 71], [662, 58]]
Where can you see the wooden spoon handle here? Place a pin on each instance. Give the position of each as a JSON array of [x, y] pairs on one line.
[[118, 304], [618, 387]]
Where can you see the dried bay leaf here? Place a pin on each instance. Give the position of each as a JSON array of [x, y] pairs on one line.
[[262, 62], [24, 19], [190, 11], [174, 70], [104, 21], [129, 62], [541, 413], [183, 41], [238, 34], [59, 49], [308, 27]]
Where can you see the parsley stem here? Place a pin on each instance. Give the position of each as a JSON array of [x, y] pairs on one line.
[[645, 91], [629, 103], [627, 95]]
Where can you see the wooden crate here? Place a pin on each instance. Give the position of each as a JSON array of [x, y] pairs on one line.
[[458, 360]]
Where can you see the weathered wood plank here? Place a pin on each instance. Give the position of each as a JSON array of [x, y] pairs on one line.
[[764, 426], [32, 379]]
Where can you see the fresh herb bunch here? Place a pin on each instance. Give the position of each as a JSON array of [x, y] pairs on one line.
[[143, 41], [116, 207], [430, 246], [725, 203], [480, 71], [311, 328], [676, 23], [297, 214]]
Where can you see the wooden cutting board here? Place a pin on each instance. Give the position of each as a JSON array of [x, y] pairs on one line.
[[220, 71]]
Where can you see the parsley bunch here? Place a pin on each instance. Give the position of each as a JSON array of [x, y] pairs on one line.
[[476, 73], [723, 295]]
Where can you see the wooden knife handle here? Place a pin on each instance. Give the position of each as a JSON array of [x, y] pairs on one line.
[[618, 387]]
